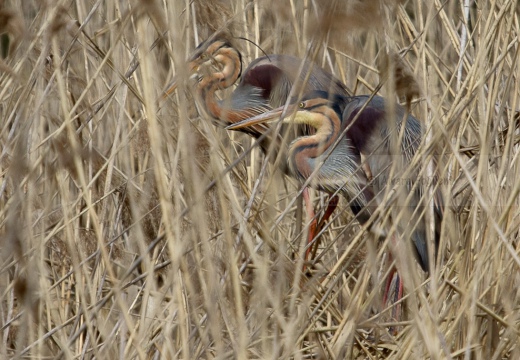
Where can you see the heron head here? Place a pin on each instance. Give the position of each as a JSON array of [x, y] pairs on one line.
[[215, 58], [213, 54]]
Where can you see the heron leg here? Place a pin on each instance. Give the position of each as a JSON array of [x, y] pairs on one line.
[[332, 204], [316, 226], [388, 285], [309, 209], [394, 284]]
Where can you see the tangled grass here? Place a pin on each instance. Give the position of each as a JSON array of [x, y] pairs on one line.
[[135, 228]]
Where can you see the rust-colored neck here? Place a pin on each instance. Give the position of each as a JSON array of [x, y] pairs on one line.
[[231, 66], [328, 126]]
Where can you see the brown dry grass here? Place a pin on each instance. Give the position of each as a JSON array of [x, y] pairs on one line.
[[127, 229]]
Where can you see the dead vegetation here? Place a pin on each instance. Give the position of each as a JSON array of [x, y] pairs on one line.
[[132, 228]]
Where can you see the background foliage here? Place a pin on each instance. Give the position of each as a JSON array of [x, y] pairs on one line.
[[135, 228]]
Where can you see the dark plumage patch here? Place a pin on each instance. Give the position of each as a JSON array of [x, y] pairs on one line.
[[360, 130], [263, 77]]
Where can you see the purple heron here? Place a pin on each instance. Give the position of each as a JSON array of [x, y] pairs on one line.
[[347, 127], [266, 83]]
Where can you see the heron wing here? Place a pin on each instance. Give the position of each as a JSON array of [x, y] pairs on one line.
[[276, 74], [370, 130]]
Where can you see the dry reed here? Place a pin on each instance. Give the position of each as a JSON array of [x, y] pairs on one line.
[[128, 229]]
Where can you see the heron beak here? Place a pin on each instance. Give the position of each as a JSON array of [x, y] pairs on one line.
[[267, 117]]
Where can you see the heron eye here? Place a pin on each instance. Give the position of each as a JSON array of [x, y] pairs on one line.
[[301, 105]]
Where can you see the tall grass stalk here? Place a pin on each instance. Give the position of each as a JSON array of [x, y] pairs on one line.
[[132, 227]]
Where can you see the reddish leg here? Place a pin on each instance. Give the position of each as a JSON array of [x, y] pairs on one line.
[[398, 293], [398, 287], [309, 209], [388, 285], [315, 225], [331, 206]]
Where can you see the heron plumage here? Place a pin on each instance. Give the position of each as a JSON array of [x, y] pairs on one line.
[[359, 126]]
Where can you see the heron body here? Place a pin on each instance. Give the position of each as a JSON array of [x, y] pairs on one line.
[[358, 126], [372, 132], [328, 157], [333, 170], [266, 83]]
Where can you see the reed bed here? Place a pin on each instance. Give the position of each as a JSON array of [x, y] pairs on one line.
[[133, 227]]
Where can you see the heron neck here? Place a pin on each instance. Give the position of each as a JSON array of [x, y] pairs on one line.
[[308, 148], [231, 64], [224, 110]]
